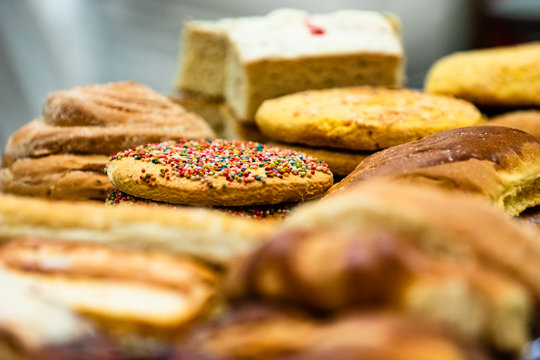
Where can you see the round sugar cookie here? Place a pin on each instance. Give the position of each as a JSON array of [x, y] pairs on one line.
[[361, 118], [218, 173]]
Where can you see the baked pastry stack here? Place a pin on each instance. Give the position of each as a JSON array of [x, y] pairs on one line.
[[63, 154], [343, 126], [498, 163], [248, 60]]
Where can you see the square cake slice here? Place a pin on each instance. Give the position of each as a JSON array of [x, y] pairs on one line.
[[291, 50]]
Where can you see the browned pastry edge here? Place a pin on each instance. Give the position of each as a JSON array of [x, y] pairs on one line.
[[114, 104], [38, 138], [63, 176]]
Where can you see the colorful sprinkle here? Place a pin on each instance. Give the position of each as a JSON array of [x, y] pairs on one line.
[[236, 161]]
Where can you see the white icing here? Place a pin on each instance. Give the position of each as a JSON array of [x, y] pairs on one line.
[[285, 33]]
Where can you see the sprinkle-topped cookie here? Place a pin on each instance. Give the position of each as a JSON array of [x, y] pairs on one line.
[[218, 173]]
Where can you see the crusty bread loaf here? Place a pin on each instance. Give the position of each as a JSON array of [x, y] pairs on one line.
[[528, 121], [62, 176], [117, 285], [361, 118], [503, 76], [498, 163], [265, 333], [445, 224], [382, 269], [206, 234]]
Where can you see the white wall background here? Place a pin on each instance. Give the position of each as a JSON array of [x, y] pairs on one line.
[[56, 44]]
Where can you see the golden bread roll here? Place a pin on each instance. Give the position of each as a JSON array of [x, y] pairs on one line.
[[361, 118], [218, 173], [498, 163], [33, 326], [62, 176], [383, 270], [503, 76], [526, 120], [444, 224], [114, 285], [203, 233], [263, 333]]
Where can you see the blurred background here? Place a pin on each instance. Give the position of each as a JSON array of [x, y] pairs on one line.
[[47, 45]]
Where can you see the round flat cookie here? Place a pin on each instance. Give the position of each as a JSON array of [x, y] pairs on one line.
[[361, 118], [218, 173]]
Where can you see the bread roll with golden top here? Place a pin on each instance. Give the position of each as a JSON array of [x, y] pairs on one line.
[[383, 270], [446, 225], [502, 76], [361, 118], [498, 163], [62, 176], [206, 234], [115, 286], [104, 119], [265, 333], [525, 120]]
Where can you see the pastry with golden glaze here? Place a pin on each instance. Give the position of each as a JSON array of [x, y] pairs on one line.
[[502, 76], [525, 120], [445, 225], [218, 173], [206, 234], [61, 176], [266, 333], [498, 163], [361, 118], [380, 269]]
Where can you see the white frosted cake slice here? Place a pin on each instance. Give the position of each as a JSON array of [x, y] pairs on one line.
[[251, 59]]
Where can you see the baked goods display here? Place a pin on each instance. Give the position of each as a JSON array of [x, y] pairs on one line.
[[427, 249], [499, 163], [89, 120], [506, 76], [218, 173]]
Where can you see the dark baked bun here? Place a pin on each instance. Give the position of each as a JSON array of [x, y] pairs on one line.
[[498, 163], [265, 333]]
